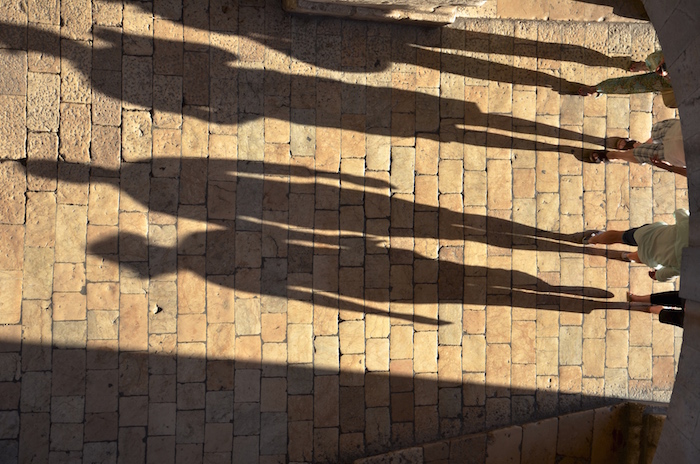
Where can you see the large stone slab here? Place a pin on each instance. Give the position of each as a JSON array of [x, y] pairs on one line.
[[414, 11]]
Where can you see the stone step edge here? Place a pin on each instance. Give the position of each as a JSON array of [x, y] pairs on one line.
[[636, 413], [386, 12]]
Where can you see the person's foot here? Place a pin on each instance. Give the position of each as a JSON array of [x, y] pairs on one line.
[[587, 236], [638, 66], [586, 90], [635, 300], [625, 144], [595, 157]]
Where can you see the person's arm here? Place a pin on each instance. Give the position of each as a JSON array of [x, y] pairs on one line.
[[664, 274], [669, 167]]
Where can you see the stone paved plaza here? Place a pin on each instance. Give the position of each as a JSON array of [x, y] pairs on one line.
[[228, 234]]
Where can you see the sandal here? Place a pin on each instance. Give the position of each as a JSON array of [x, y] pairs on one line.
[[587, 236], [595, 157], [625, 256], [637, 66], [624, 143], [585, 91]]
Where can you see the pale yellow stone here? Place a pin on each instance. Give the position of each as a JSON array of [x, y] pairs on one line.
[[474, 353], [450, 332], [13, 132], [71, 234], [43, 101], [401, 342], [498, 362], [547, 356], [377, 354], [11, 303], [195, 136], [402, 169], [103, 204], [326, 355], [425, 352], [376, 326], [499, 177], [38, 273], [137, 142], [41, 219], [300, 344], [352, 338]]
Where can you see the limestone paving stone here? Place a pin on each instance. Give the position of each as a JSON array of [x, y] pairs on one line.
[[79, 26], [10, 309], [106, 97], [105, 13], [490, 361], [136, 136], [13, 80], [75, 132], [136, 91], [43, 102], [138, 29], [43, 11], [13, 133]]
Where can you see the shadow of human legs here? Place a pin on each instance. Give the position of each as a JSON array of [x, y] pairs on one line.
[[253, 178]]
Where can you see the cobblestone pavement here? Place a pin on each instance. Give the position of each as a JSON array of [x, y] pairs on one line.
[[232, 235]]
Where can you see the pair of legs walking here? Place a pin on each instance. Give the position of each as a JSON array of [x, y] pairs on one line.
[[611, 237], [661, 304]]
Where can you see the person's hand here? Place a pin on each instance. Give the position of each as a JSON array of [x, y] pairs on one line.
[[652, 274]]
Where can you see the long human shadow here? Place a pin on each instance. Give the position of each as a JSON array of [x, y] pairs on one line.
[[249, 182], [392, 409], [454, 281], [404, 43], [242, 187], [250, 104]]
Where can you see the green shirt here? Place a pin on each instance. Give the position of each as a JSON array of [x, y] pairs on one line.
[[660, 246]]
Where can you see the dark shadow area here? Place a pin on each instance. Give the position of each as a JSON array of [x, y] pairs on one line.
[[633, 9], [236, 96], [409, 37], [266, 216], [166, 406]]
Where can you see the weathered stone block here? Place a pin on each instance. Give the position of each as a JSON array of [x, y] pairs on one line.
[[43, 102], [11, 304], [13, 132], [44, 44], [13, 72], [136, 136], [76, 66], [75, 133]]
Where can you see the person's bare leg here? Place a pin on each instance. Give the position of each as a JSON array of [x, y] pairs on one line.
[[642, 304], [656, 309], [607, 238], [624, 155], [632, 298]]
